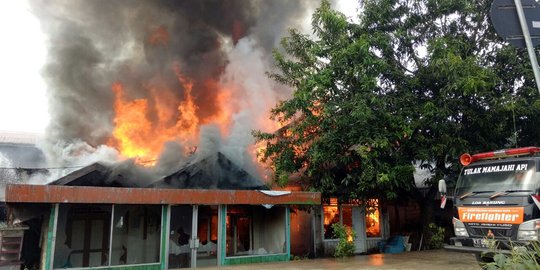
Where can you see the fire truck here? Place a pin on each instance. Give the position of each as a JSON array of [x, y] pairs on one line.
[[496, 201]]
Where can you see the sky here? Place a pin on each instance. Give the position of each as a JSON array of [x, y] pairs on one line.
[[23, 101]]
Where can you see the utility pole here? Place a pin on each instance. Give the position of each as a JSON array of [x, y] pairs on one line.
[[528, 42]]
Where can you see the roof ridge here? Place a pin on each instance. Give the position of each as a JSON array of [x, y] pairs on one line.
[[19, 137]]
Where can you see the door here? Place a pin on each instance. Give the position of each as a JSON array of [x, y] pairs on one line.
[[359, 226], [88, 235], [179, 236], [207, 233]]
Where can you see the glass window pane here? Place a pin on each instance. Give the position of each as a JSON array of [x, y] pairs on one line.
[[239, 230], [373, 226], [179, 235], [331, 216], [347, 215], [255, 230], [136, 234], [82, 235]]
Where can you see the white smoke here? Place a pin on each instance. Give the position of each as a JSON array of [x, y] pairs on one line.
[[7, 175], [254, 94], [69, 157]]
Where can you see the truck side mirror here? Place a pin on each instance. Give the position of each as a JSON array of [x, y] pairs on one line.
[[442, 186]]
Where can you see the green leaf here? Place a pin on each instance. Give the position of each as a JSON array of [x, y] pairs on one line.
[[500, 260]]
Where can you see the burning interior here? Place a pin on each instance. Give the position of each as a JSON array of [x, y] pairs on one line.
[[256, 230], [364, 218], [343, 214]]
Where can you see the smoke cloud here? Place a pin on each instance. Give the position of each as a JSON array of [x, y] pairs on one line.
[[144, 45]]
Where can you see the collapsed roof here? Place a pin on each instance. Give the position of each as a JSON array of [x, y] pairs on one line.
[[214, 171]]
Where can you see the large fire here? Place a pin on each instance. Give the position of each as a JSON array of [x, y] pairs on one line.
[[143, 125], [138, 137]]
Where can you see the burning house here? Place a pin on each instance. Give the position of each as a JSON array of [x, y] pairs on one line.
[[209, 213], [151, 228]]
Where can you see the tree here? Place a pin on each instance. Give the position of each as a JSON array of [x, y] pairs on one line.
[[344, 127], [464, 90], [415, 80]]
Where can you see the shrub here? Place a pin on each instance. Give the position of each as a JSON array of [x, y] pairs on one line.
[[521, 257], [345, 247], [436, 236]]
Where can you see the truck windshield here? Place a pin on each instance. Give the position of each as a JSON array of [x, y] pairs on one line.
[[513, 176]]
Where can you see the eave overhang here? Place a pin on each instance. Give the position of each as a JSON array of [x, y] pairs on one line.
[[17, 193]]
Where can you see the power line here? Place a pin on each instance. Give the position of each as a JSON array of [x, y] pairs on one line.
[[140, 162], [69, 167], [42, 168]]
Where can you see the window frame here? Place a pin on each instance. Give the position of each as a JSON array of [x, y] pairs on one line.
[[340, 213], [333, 202]]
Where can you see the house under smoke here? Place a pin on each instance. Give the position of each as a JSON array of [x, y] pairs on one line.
[[96, 217], [19, 157], [212, 172]]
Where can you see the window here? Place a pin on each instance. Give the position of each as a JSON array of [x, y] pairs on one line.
[[208, 224], [136, 234], [333, 214], [373, 221], [82, 236], [255, 230], [331, 217]]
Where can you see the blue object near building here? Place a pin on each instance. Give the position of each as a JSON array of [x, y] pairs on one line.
[[394, 244]]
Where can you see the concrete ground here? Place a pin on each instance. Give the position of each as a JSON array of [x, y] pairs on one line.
[[423, 260]]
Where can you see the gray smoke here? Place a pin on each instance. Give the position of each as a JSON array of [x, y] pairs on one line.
[[93, 44], [171, 158]]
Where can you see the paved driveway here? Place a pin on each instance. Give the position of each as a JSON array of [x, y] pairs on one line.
[[433, 259]]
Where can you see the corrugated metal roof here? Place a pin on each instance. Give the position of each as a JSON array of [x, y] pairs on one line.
[[19, 137]]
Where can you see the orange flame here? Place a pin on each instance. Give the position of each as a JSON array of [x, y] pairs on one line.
[[136, 136], [132, 126], [160, 36], [349, 234], [143, 125], [224, 101], [373, 228], [187, 122]]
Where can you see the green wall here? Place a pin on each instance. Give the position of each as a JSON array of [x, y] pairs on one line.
[[254, 259], [162, 265], [129, 267]]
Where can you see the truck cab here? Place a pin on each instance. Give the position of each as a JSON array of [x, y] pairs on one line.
[[496, 201]]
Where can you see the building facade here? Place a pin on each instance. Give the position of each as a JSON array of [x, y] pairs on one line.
[[149, 228]]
